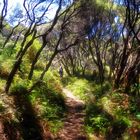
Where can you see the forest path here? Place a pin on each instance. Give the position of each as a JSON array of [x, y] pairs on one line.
[[73, 128]]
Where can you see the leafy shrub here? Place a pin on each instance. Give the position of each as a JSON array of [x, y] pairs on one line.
[[80, 87], [99, 91], [96, 119], [40, 65], [20, 85], [50, 103], [36, 75], [9, 50], [134, 108], [49, 94], [99, 123], [19, 88], [135, 88], [33, 49], [46, 97], [5, 66]]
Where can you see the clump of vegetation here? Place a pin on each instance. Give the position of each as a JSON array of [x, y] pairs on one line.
[[5, 66], [79, 86], [46, 99], [97, 121], [50, 105]]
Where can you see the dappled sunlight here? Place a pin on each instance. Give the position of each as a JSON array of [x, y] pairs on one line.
[[69, 70]]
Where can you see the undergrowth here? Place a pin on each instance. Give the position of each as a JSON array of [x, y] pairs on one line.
[[110, 114], [46, 99]]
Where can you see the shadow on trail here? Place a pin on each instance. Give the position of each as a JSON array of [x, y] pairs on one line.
[[30, 127]]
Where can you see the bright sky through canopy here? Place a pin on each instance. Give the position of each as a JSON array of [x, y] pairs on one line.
[[12, 4]]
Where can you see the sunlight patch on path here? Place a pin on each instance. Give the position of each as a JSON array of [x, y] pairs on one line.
[[69, 94]]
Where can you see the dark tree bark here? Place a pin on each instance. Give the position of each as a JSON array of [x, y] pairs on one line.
[[66, 66], [48, 65], [27, 34], [9, 36], [122, 64], [56, 51], [3, 14], [132, 76], [17, 63]]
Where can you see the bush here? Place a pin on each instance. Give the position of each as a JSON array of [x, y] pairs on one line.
[[50, 103], [20, 86], [49, 93], [96, 119], [5, 66]]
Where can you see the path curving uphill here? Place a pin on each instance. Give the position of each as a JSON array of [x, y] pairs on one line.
[[73, 128]]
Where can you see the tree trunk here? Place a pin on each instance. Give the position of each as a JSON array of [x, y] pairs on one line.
[[17, 64], [122, 65], [35, 60], [133, 74], [66, 68], [48, 65]]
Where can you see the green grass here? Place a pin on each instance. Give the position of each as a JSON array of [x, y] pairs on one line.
[[85, 89], [79, 86], [50, 104]]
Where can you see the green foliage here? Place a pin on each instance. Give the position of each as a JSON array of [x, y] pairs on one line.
[[79, 86], [9, 49], [40, 65], [46, 97], [120, 112], [20, 86], [50, 103], [135, 88], [1, 43], [96, 119], [134, 108], [116, 96], [55, 125], [53, 81], [122, 122], [33, 49], [5, 66], [37, 74], [99, 91], [105, 4], [127, 121], [138, 115], [99, 123], [85, 89]]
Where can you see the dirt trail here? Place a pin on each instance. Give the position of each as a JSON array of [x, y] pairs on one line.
[[73, 128]]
